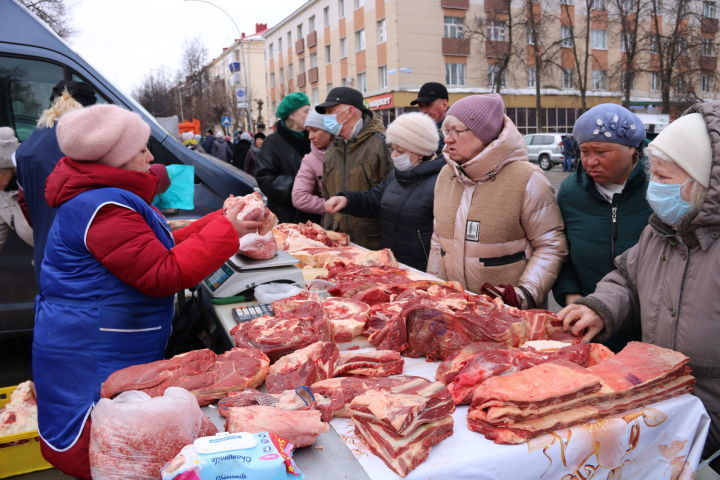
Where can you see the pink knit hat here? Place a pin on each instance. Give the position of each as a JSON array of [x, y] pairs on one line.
[[102, 133], [482, 114]]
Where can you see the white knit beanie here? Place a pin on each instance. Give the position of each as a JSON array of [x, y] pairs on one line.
[[687, 143], [415, 132], [8, 145]]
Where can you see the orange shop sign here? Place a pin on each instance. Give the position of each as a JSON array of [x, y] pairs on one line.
[[380, 101]]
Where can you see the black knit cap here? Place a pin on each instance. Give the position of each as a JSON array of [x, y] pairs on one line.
[[80, 91], [430, 92]]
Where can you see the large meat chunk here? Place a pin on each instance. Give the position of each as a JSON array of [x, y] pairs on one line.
[[299, 427], [347, 318], [19, 415], [258, 247], [298, 236], [378, 363], [207, 376], [298, 399], [303, 367], [253, 209], [285, 332], [321, 257]]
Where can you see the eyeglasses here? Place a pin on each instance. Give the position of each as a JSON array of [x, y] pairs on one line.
[[452, 132]]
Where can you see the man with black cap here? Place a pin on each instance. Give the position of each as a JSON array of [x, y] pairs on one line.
[[37, 157], [432, 100], [357, 160]]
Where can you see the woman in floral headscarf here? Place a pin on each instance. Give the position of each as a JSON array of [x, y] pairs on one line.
[[603, 204]]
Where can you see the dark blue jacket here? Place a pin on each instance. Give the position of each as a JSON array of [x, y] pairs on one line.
[[36, 158], [404, 203]]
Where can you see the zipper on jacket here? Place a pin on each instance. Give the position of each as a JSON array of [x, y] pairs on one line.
[[422, 244], [613, 224]]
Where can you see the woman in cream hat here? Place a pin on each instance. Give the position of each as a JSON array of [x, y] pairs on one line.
[[669, 279], [404, 199]]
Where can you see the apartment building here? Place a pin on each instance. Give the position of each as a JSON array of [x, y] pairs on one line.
[[388, 48], [241, 69]]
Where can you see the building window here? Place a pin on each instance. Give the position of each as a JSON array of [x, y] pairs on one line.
[[708, 48], [654, 82], [291, 71], [566, 39], [599, 80], [455, 73], [627, 41], [327, 53], [628, 6], [313, 60], [381, 31], [280, 46], [597, 5], [709, 9], [362, 82], [706, 82], [598, 39], [531, 34], [567, 78], [302, 66], [343, 47], [326, 17], [315, 96], [328, 87], [341, 8], [300, 31], [496, 31], [360, 40], [492, 75], [454, 27], [282, 76], [531, 76], [289, 39], [270, 51], [359, 4], [382, 77], [625, 81], [680, 84], [311, 24], [566, 2], [272, 79], [653, 47]]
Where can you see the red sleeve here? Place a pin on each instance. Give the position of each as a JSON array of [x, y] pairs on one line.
[[182, 234], [125, 244]]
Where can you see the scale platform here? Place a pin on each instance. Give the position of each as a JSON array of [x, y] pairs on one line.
[[239, 274]]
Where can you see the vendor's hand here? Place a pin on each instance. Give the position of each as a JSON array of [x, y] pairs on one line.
[[335, 204], [242, 227], [231, 201], [571, 297], [579, 319]]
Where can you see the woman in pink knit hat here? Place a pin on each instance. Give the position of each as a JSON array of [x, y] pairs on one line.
[[110, 271], [507, 229]]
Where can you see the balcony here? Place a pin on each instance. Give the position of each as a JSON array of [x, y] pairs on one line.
[[495, 49], [456, 46], [709, 25], [313, 75], [708, 64], [300, 46], [461, 4], [312, 39], [301, 80], [496, 6]]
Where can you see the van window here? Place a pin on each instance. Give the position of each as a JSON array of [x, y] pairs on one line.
[[26, 86]]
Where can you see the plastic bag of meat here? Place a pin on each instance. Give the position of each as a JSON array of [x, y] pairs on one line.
[[134, 435], [254, 210], [20, 414], [258, 247]]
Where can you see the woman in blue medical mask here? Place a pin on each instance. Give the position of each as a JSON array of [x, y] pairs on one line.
[[670, 280], [404, 199]]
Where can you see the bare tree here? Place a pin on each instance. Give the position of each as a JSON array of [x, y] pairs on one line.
[[628, 14], [54, 13], [578, 43], [495, 29], [157, 93]]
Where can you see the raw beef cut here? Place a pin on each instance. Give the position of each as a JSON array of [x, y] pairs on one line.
[[380, 314], [400, 428], [303, 367], [258, 247], [377, 363], [299, 427], [207, 376], [298, 399], [253, 210], [559, 394], [347, 318], [477, 362], [19, 415], [297, 236], [285, 332], [322, 257]]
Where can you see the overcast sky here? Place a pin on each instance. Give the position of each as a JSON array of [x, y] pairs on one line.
[[126, 39]]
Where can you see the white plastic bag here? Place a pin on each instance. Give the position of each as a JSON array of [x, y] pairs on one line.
[[269, 292], [134, 435]]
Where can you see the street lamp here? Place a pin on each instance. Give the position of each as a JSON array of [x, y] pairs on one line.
[[242, 51]]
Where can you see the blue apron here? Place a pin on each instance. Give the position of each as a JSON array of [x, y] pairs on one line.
[[88, 323]]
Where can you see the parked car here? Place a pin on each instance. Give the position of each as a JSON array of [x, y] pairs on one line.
[[545, 149], [32, 60]]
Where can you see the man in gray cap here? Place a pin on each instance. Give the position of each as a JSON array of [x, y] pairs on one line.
[[432, 100], [357, 160]]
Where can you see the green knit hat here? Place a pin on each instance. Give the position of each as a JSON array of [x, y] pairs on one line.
[[291, 103]]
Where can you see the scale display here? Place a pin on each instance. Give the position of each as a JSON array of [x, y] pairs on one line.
[[219, 277]]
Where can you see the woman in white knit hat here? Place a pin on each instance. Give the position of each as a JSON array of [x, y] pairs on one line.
[[404, 199], [11, 215], [670, 279]]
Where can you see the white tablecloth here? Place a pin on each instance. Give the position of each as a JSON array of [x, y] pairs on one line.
[[661, 441]]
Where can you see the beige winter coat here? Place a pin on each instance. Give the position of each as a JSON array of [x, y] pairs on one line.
[[497, 221], [670, 281]]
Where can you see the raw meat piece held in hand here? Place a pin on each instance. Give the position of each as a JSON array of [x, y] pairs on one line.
[[254, 210], [258, 247]]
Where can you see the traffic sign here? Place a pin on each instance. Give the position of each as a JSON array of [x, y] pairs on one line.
[[226, 121], [240, 92], [242, 105]]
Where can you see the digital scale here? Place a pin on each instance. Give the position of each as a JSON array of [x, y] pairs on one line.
[[240, 273]]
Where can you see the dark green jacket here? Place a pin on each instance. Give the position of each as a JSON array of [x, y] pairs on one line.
[[357, 165], [593, 240]]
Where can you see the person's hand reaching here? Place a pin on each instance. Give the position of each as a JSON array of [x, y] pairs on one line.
[[581, 320], [335, 204]]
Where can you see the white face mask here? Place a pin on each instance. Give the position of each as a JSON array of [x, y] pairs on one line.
[[402, 162], [357, 128]]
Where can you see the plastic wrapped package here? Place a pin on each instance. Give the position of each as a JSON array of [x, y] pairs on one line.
[[271, 292], [134, 435], [252, 456], [258, 247]]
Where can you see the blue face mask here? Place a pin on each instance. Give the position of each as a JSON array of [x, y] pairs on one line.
[[330, 124], [666, 202]]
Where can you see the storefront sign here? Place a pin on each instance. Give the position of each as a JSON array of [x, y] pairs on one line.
[[381, 101]]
